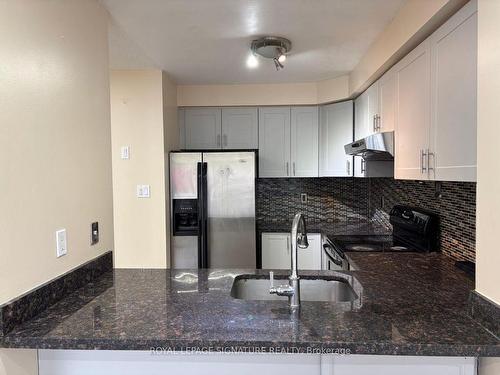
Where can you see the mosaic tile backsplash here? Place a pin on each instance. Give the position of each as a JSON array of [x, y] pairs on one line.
[[331, 200], [358, 202], [454, 202]]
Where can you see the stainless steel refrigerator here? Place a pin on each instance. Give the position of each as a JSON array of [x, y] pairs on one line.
[[213, 209]]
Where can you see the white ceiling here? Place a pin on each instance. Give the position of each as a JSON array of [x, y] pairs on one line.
[[207, 41]]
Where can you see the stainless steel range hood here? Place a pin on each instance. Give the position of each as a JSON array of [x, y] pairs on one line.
[[379, 146]]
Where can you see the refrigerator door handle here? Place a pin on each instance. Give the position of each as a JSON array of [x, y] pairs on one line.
[[200, 212], [204, 195]]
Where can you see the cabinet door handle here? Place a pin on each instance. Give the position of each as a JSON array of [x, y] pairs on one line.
[[363, 169], [288, 245], [225, 139], [429, 154], [374, 123], [423, 154], [379, 123], [348, 167], [287, 169], [218, 140], [293, 166]]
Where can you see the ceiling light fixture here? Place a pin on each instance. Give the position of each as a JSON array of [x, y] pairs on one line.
[[271, 47], [252, 61]]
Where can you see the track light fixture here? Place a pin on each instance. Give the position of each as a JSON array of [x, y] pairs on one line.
[[269, 47]]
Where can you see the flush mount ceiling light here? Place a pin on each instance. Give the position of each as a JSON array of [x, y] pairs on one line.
[[269, 47]]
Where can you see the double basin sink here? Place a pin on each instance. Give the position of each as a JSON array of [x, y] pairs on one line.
[[248, 287]]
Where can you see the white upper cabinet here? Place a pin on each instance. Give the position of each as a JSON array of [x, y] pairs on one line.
[[274, 142], [202, 128], [413, 114], [367, 112], [336, 130], [288, 142], [361, 123], [386, 102], [437, 104], [304, 142], [373, 110], [240, 128], [453, 97]]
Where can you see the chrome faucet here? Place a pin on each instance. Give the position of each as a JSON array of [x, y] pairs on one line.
[[299, 240]]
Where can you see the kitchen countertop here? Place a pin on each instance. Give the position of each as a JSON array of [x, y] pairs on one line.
[[410, 304]]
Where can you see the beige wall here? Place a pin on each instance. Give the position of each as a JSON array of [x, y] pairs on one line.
[[54, 145], [488, 170], [55, 142], [414, 21], [489, 366], [18, 362], [264, 94], [171, 142], [138, 115]]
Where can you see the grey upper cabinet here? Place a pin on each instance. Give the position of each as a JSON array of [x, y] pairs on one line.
[[335, 131], [274, 142], [202, 128], [304, 142], [240, 128]]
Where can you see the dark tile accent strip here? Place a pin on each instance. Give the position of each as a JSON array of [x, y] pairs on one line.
[[32, 303], [485, 312]]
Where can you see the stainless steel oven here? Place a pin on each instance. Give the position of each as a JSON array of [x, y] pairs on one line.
[[331, 259]]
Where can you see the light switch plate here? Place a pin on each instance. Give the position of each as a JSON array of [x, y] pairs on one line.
[[303, 198], [125, 152], [61, 243], [143, 191]]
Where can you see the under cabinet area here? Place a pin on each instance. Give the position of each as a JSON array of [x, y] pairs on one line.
[[276, 252]]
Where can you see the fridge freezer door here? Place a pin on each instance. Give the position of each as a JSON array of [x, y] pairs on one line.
[[231, 209], [184, 251], [183, 179]]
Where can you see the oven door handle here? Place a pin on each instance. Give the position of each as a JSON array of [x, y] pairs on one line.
[[336, 261]]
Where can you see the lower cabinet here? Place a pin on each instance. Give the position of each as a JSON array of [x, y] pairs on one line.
[[396, 365], [166, 361], [276, 252]]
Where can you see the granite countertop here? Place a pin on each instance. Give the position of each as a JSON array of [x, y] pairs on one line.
[[409, 304]]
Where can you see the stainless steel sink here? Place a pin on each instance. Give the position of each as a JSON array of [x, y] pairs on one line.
[[310, 290]]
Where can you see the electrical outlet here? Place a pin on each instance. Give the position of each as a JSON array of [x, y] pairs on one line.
[[303, 198], [94, 233], [61, 243]]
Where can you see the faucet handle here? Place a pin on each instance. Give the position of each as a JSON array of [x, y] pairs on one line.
[[271, 278]]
